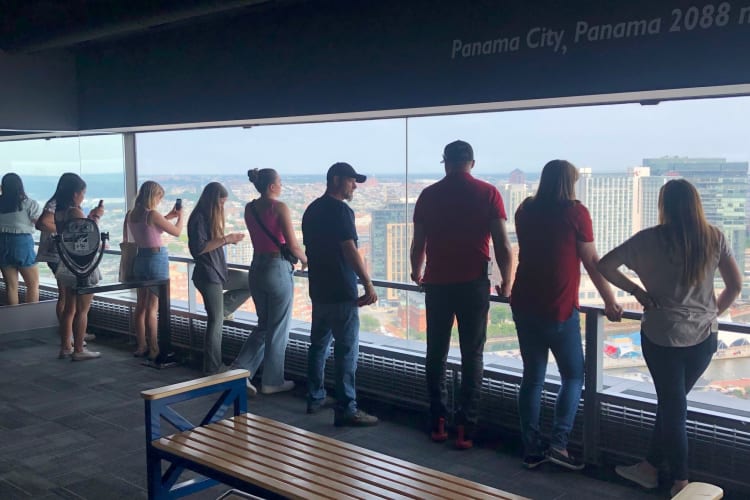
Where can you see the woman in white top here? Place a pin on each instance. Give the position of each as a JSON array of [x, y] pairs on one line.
[[18, 214], [676, 262]]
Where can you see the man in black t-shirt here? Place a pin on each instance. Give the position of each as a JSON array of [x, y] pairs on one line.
[[334, 263]]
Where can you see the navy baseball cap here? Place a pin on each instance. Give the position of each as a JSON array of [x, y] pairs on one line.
[[342, 169]]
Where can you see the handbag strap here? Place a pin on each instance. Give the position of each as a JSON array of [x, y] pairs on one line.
[[263, 226], [126, 229]]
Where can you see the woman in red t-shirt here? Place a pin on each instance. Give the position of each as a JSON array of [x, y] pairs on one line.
[[555, 236]]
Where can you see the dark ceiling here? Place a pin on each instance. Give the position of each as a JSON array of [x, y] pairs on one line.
[[34, 25]]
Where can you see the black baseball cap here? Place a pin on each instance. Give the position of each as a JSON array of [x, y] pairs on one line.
[[342, 169], [458, 152]]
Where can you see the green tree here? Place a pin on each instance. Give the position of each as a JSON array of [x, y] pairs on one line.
[[369, 323]]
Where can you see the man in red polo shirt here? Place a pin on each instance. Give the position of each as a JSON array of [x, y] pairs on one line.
[[453, 221]]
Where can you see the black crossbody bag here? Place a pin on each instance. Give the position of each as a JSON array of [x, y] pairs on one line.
[[286, 254]]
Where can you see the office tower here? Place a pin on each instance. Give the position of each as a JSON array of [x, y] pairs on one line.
[[615, 204], [722, 186], [390, 238], [513, 195], [649, 212]]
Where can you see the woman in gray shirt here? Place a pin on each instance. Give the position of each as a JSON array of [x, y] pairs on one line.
[[223, 291], [676, 262]]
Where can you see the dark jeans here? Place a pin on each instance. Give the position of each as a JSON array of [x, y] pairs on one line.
[[536, 337], [675, 371], [469, 304], [339, 322]]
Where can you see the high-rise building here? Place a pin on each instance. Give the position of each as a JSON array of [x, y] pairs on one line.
[[513, 195], [390, 237], [722, 186], [650, 186], [615, 204]]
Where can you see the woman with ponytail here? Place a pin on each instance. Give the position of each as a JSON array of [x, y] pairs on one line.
[[270, 225]]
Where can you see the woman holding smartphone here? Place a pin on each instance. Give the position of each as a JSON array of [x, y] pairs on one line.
[[223, 290], [74, 317], [146, 226]]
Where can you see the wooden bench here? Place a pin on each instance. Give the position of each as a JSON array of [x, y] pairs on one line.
[[271, 459], [699, 491]]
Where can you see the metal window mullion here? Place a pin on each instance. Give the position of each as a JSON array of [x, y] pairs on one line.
[[131, 168], [593, 372]]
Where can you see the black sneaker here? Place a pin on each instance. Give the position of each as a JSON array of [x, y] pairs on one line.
[[567, 461], [534, 461], [328, 402], [358, 419]]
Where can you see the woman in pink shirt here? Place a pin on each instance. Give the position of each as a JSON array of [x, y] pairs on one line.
[[272, 286], [146, 226]]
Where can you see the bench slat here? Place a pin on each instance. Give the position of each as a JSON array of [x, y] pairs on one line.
[[327, 465], [285, 462], [436, 485], [473, 490], [291, 486], [189, 385]]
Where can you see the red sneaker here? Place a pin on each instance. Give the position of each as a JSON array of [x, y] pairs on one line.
[[463, 441], [438, 434]]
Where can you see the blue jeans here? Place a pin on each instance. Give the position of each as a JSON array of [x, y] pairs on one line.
[[272, 289], [150, 265], [536, 337], [339, 322], [17, 250], [675, 371], [220, 300]]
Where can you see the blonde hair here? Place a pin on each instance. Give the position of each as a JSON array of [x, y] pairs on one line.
[[209, 204], [148, 194], [557, 183], [690, 238]]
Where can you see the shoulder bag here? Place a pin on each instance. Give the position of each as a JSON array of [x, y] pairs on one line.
[[128, 251]]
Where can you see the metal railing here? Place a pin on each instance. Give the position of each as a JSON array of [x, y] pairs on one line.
[[604, 412]]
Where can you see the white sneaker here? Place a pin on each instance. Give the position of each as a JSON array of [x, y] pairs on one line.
[[85, 355], [65, 353], [288, 385], [89, 337], [251, 390], [635, 474]]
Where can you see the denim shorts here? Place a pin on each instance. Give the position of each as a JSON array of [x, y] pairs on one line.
[[151, 265], [17, 250]]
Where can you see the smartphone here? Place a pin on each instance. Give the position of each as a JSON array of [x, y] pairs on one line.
[[101, 204], [178, 204]]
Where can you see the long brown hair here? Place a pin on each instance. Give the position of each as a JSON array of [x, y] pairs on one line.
[[557, 183], [690, 238], [209, 204]]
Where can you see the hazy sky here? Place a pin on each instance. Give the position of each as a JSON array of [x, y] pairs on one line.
[[605, 138]]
